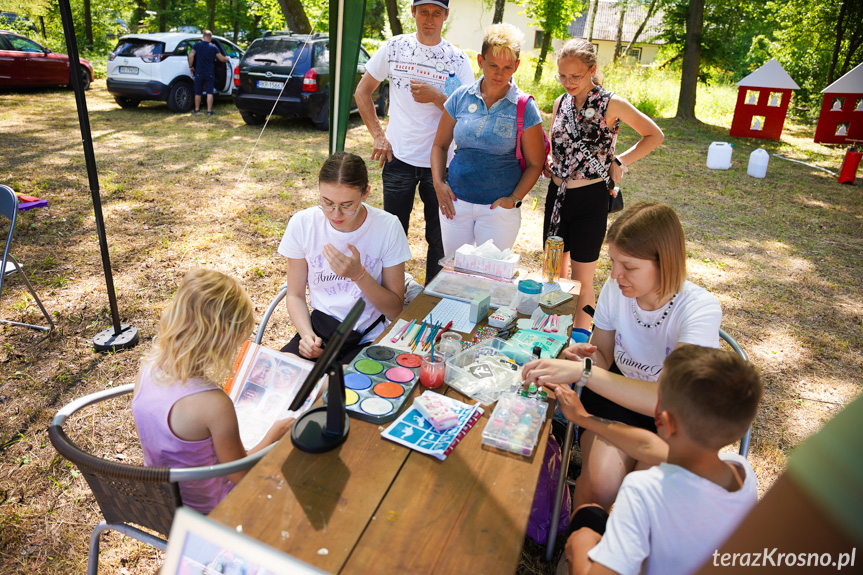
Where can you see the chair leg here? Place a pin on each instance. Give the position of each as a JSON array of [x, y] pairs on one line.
[[566, 451], [129, 531], [35, 297]]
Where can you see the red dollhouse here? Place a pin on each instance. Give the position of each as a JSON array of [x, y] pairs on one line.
[[762, 102], [841, 118]]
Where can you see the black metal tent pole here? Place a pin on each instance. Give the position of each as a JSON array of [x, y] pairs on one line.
[[119, 336]]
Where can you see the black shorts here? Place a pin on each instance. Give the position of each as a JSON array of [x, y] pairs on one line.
[[583, 220], [599, 406]]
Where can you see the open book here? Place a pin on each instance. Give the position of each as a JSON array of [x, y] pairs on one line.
[[262, 386], [412, 430]]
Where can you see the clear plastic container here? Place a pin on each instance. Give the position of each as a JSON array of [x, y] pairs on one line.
[[528, 296], [719, 156], [514, 425], [758, 160], [487, 371]]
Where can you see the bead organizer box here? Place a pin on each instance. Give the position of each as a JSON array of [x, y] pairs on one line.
[[379, 381], [514, 425]]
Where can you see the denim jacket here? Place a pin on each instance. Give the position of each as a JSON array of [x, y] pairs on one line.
[[485, 168]]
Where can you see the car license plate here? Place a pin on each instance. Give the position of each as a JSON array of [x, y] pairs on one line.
[[128, 70], [270, 85]]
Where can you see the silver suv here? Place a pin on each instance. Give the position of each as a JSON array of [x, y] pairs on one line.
[[156, 67]]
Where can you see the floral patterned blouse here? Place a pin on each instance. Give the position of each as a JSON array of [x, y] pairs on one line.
[[567, 161]]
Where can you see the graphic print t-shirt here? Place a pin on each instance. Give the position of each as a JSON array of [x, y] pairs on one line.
[[380, 240], [412, 126]]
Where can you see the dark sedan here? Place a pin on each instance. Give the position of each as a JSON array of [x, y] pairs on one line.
[[24, 62]]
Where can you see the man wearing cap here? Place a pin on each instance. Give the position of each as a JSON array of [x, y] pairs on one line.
[[418, 66]]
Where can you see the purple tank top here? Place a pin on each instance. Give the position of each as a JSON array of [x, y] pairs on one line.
[[151, 408], [598, 136]]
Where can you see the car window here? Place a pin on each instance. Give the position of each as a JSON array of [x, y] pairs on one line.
[[4, 45], [184, 47], [322, 55], [364, 57], [273, 52], [138, 48], [231, 50], [24, 45]]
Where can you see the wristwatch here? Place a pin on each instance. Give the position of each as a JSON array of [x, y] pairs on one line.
[[618, 162], [517, 203], [586, 367]]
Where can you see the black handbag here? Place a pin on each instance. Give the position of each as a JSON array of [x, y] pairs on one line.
[[324, 326], [615, 203]]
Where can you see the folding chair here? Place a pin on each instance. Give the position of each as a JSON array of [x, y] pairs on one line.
[[566, 453], [9, 209], [132, 494]]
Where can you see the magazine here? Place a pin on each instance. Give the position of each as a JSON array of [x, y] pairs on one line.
[[262, 386], [412, 430]]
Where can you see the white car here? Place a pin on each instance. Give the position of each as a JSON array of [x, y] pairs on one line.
[[156, 67]]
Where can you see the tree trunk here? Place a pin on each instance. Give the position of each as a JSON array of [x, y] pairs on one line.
[[42, 24], [295, 16], [88, 23], [163, 15], [640, 29], [393, 16], [840, 24], [622, 6], [691, 60], [499, 6], [138, 15], [211, 17], [593, 9], [543, 52]]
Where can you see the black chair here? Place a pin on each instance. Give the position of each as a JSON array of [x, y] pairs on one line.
[[566, 453], [131, 495], [9, 210]]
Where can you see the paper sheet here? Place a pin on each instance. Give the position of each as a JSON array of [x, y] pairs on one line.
[[452, 310], [563, 286]]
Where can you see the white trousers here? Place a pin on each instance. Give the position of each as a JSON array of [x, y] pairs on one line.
[[478, 223]]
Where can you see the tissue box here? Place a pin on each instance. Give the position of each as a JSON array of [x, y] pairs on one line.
[[471, 258]]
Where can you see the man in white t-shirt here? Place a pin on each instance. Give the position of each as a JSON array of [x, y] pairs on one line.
[[423, 69], [672, 517]]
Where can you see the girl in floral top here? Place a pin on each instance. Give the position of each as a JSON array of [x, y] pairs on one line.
[[583, 160]]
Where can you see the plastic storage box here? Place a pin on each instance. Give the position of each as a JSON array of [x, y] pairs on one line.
[[514, 426], [487, 370]]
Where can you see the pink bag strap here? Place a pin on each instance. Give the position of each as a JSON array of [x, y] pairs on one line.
[[519, 120]]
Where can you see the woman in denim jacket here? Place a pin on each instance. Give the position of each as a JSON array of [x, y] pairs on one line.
[[482, 191]]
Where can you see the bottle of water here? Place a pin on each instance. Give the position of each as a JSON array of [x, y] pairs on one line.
[[451, 84]]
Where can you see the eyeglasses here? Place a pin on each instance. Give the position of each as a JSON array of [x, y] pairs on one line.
[[329, 208], [574, 80]]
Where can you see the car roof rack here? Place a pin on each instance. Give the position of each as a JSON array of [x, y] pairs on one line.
[[269, 33]]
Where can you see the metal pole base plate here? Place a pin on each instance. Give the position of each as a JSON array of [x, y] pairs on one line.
[[107, 341]]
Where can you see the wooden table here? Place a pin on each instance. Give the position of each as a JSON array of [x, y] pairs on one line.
[[374, 506]]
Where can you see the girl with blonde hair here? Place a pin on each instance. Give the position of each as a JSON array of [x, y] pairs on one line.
[[184, 418]]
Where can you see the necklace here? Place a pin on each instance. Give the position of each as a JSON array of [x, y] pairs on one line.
[[661, 319]]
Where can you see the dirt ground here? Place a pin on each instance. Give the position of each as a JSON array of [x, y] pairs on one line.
[[782, 254]]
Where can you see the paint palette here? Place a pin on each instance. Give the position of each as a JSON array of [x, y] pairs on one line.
[[379, 382]]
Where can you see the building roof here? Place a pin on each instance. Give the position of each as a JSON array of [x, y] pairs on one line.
[[850, 83], [607, 17], [770, 75]]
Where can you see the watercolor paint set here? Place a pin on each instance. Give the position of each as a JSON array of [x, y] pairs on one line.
[[514, 425], [379, 381]]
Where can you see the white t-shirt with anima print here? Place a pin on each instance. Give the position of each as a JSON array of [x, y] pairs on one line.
[[412, 126], [381, 242]]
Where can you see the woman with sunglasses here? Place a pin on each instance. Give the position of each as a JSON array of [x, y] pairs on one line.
[[343, 250], [584, 130]]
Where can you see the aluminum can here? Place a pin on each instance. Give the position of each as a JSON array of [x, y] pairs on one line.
[[552, 260]]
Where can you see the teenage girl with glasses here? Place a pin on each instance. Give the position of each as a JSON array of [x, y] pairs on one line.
[[343, 250], [583, 136]]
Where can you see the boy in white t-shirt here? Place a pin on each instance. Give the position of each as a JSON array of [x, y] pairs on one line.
[[670, 518]]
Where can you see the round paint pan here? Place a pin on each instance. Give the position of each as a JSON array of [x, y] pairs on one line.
[[380, 353], [357, 381], [376, 406], [368, 367], [351, 397], [389, 390], [400, 374], [409, 360]]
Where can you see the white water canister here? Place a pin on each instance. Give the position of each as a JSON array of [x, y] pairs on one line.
[[758, 163], [719, 156]]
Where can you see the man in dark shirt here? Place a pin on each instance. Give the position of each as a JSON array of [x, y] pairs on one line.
[[205, 71]]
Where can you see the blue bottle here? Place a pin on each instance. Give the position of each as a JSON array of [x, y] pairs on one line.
[[451, 84]]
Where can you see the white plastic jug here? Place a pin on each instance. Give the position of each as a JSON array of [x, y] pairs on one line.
[[719, 156], [758, 163]]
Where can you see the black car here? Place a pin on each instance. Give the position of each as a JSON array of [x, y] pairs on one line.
[[292, 72]]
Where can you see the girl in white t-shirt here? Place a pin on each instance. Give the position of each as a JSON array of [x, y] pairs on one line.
[[645, 310], [343, 250]]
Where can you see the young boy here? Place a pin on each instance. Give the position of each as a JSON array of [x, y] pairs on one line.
[[669, 519]]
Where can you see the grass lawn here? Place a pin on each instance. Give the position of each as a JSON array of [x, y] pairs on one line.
[[782, 254]]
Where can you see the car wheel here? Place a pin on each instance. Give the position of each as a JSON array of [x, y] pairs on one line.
[[384, 102], [180, 98], [252, 119], [126, 102], [85, 79]]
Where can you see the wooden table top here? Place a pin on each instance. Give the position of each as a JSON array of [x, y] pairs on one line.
[[372, 505]]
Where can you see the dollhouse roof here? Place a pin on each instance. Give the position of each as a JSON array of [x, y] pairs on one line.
[[850, 83], [770, 75]]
